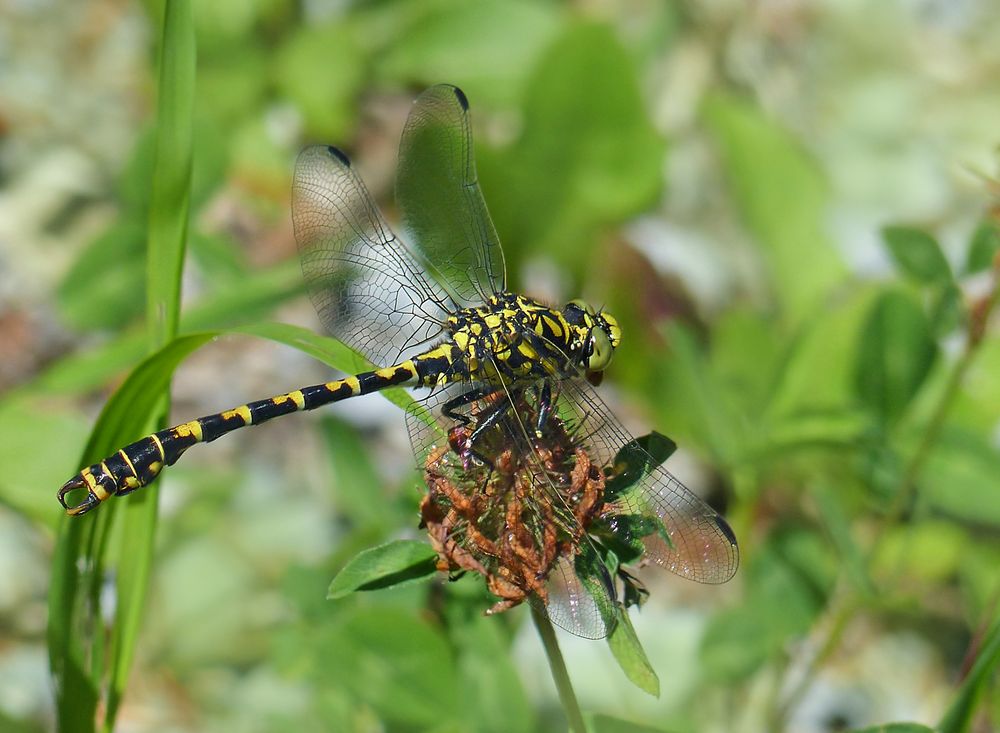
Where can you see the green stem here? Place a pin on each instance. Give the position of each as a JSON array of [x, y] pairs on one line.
[[559, 673]]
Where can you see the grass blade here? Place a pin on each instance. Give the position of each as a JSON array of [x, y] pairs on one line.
[[168, 225]]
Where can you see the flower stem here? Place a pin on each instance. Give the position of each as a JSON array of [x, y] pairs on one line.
[[559, 673]]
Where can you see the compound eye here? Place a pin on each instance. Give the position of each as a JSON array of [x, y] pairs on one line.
[[600, 350]]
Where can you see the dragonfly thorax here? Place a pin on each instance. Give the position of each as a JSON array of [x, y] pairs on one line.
[[517, 338]]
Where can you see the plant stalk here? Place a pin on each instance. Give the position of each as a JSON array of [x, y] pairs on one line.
[[559, 673]]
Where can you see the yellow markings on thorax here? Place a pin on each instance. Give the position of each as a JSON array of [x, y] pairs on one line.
[[492, 320], [553, 325], [527, 350]]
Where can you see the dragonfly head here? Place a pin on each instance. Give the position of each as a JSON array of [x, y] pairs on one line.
[[598, 334]]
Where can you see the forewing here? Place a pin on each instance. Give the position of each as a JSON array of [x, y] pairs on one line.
[[695, 541], [442, 205], [370, 291]]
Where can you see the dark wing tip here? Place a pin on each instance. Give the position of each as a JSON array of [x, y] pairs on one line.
[[339, 155], [724, 527], [462, 99]]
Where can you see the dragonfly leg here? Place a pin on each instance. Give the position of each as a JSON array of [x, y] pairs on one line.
[[448, 409]]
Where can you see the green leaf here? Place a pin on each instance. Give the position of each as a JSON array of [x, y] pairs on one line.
[[917, 254], [636, 460], [487, 47], [958, 717], [947, 311], [607, 153], [117, 260], [356, 480], [394, 662], [80, 554], [301, 73], [385, 566], [787, 588], [631, 656], [983, 248], [896, 728], [171, 194], [895, 355], [494, 697], [961, 477], [29, 428], [784, 199], [326, 349]]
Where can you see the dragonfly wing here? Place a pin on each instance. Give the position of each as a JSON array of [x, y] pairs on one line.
[[696, 542], [579, 593], [442, 205], [370, 291], [584, 609]]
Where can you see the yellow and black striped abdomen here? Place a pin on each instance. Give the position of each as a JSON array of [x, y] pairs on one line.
[[139, 463]]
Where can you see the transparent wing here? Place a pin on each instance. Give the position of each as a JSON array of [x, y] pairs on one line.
[[580, 608], [370, 291], [443, 208], [698, 544], [579, 595]]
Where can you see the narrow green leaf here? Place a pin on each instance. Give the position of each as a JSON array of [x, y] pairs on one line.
[[168, 225], [168, 215], [958, 717], [917, 254], [895, 355], [239, 302], [385, 566], [631, 656], [328, 350], [983, 248], [79, 555]]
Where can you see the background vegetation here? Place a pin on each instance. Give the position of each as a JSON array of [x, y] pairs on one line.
[[787, 204]]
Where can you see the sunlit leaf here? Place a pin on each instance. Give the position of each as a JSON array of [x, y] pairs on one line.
[[631, 656], [385, 566]]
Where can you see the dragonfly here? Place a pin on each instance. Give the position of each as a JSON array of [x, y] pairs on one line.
[[508, 400]]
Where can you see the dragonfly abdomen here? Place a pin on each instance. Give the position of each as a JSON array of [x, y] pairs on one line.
[[139, 463]]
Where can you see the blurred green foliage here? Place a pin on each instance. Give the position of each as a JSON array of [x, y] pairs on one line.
[[839, 406]]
